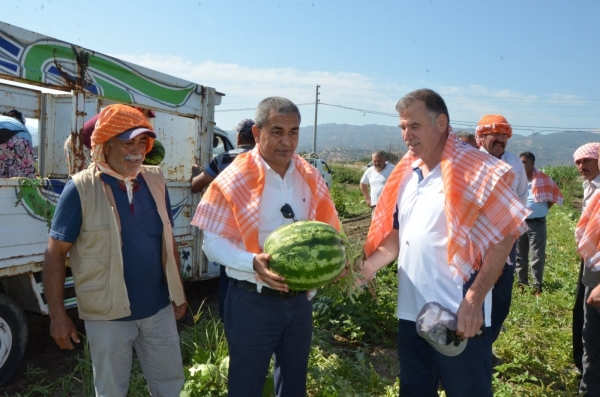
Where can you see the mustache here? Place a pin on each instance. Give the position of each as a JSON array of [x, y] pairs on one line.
[[133, 157], [412, 142]]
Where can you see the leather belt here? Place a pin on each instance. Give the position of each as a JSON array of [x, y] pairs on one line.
[[541, 218], [248, 286]]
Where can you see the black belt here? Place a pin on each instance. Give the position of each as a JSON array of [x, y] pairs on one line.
[[542, 218], [248, 286]]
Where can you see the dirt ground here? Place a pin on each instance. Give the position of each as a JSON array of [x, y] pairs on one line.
[[43, 354]]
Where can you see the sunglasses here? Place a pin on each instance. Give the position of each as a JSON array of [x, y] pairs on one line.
[[288, 212]]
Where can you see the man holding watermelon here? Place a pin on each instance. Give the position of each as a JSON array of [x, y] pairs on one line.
[[451, 230], [260, 191]]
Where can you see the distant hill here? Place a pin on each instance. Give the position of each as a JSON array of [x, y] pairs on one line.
[[348, 143]]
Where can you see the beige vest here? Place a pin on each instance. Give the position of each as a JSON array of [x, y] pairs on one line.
[[95, 257]]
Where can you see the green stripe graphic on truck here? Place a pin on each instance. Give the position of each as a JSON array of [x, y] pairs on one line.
[[309, 254]]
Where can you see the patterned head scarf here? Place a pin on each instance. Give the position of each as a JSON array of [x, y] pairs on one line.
[[587, 151], [492, 123], [113, 121]]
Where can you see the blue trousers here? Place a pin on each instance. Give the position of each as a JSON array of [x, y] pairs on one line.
[[422, 368], [502, 295], [258, 327]]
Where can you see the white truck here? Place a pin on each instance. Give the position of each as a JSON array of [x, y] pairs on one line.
[[321, 166], [89, 81]]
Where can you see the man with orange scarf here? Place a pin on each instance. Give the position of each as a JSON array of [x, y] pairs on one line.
[[261, 190], [448, 215], [113, 219], [492, 134], [587, 234], [542, 194]]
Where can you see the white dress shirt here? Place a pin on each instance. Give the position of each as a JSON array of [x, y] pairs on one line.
[[520, 182], [589, 188], [293, 190]]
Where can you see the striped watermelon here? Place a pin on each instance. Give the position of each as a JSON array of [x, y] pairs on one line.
[[308, 254]]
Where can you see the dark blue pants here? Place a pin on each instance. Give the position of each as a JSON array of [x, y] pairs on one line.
[[223, 286], [590, 381], [502, 295], [422, 368], [258, 327]]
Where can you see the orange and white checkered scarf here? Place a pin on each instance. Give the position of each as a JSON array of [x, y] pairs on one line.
[[587, 233], [112, 121], [480, 207], [231, 205], [544, 189]]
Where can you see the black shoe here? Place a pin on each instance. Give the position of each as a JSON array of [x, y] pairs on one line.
[[496, 361]]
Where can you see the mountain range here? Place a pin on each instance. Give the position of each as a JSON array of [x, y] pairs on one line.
[[348, 143]]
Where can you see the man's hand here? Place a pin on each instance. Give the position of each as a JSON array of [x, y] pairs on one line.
[[368, 200], [469, 319], [594, 299], [63, 331], [180, 310], [261, 267]]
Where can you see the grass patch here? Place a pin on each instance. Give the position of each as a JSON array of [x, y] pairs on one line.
[[349, 336]]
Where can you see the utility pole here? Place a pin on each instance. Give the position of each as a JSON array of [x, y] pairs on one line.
[[315, 130]]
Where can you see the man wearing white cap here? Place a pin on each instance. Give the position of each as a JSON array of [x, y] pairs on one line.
[[586, 161], [114, 221]]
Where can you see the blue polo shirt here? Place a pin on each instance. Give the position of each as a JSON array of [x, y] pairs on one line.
[[141, 233], [222, 160]]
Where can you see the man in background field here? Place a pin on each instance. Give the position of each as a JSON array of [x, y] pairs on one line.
[[492, 134], [451, 230], [244, 142], [375, 177], [543, 193], [586, 161], [467, 137], [587, 234]]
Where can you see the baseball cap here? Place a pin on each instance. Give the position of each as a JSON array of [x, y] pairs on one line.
[[134, 132], [437, 325]]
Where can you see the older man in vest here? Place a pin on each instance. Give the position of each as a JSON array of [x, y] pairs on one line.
[[448, 215], [114, 221], [261, 190]]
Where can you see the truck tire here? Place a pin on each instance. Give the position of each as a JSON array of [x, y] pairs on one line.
[[13, 337]]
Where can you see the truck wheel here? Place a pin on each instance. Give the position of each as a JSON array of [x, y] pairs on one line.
[[13, 337]]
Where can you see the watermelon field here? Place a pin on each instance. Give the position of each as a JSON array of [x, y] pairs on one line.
[[353, 351]]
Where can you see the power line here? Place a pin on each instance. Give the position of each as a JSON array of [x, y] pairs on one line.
[[455, 122], [254, 108]]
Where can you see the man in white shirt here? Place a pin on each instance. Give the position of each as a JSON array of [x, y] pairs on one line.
[[451, 240], [375, 177], [586, 161], [259, 191], [492, 134]]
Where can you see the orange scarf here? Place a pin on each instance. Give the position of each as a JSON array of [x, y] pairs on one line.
[[587, 233], [480, 207], [544, 189], [231, 205]]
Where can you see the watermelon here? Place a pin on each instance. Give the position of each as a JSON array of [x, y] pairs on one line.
[[156, 155], [309, 254]]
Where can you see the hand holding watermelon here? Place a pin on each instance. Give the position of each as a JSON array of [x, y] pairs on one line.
[[266, 276]]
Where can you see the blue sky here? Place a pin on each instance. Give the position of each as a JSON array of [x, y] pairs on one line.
[[535, 62]]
